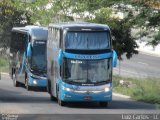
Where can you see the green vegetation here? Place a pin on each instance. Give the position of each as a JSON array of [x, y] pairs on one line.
[[43, 12], [140, 14], [4, 64], [142, 89]]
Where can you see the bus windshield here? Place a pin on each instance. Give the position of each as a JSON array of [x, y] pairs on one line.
[[87, 71], [38, 58], [87, 40]]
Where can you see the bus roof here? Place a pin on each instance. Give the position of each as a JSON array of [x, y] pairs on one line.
[[36, 32], [80, 25]]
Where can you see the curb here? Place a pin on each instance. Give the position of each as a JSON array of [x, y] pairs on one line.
[[120, 95], [4, 73], [149, 53]]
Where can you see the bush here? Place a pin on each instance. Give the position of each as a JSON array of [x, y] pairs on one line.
[[147, 89], [4, 64]]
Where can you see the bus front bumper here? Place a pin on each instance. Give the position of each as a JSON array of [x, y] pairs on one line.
[[92, 97], [37, 82]]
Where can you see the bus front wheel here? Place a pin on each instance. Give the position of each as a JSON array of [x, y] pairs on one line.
[[29, 88], [49, 87], [61, 103], [52, 97]]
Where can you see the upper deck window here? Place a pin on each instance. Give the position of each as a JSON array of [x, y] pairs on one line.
[[87, 40]]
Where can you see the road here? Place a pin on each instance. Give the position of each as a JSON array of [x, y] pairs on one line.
[[141, 65], [20, 101]]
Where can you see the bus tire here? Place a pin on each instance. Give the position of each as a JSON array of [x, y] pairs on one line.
[[48, 87], [52, 98], [61, 103], [51, 95], [15, 82], [103, 104], [29, 88]]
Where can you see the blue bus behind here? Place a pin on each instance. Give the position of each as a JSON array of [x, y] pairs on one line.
[[28, 56]]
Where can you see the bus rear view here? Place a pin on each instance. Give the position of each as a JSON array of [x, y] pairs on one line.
[[85, 60]]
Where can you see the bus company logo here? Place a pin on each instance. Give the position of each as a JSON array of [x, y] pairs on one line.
[[87, 57]]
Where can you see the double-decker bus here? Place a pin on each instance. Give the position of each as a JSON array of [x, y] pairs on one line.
[[28, 56], [79, 62]]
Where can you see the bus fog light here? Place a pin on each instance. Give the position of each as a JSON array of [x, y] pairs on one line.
[[34, 82]]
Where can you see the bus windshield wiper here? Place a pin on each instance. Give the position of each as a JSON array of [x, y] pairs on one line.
[[104, 81], [74, 80]]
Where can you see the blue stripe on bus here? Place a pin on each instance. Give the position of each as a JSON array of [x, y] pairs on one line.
[[77, 56]]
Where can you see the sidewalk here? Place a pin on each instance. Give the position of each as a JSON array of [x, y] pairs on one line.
[[148, 49]]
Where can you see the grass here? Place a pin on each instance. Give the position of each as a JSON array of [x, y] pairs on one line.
[[146, 89], [4, 64]]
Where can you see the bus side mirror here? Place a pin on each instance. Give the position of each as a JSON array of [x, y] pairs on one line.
[[29, 50], [60, 56], [114, 59]]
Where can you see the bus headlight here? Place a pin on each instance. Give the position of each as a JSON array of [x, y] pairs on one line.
[[66, 89], [107, 89], [34, 82]]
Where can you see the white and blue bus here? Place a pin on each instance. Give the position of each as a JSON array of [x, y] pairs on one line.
[[79, 62], [28, 56]]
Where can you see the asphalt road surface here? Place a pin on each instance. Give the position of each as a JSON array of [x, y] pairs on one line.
[[141, 65], [37, 105]]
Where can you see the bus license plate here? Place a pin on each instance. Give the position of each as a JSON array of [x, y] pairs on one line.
[[87, 98]]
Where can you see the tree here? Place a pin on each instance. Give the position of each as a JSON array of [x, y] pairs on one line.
[[149, 17], [9, 17], [44, 12], [121, 31]]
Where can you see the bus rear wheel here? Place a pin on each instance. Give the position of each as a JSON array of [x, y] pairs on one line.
[[15, 82], [103, 104]]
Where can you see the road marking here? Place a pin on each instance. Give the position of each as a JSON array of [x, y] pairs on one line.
[[143, 63], [149, 54], [138, 74], [120, 95], [126, 71], [6, 77], [4, 73]]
